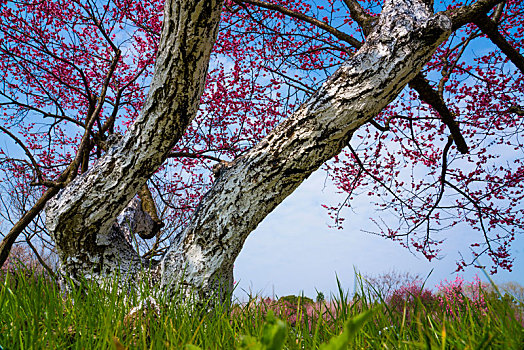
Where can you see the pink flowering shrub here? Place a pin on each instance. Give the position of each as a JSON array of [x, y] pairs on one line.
[[453, 298], [407, 298], [457, 297]]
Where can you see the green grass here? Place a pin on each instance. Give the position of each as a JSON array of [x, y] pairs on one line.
[[35, 315]]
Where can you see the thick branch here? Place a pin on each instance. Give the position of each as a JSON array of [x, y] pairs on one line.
[[149, 207], [516, 109], [366, 21], [431, 97], [468, 14], [489, 27]]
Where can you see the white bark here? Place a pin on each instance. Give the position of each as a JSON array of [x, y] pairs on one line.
[[202, 256]]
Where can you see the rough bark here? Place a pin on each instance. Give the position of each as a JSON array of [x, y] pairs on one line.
[[80, 218], [402, 42]]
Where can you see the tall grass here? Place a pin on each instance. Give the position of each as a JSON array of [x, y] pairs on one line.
[[34, 314]]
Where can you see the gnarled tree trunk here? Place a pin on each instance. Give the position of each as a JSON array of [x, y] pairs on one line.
[[80, 219]]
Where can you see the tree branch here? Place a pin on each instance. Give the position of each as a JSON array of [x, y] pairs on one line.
[[489, 27], [262, 178], [333, 31], [193, 155], [442, 185], [387, 123], [36, 167], [10, 238], [431, 97], [149, 206], [84, 147], [27, 218], [518, 110], [40, 260], [357, 12], [376, 179], [80, 221], [468, 14]]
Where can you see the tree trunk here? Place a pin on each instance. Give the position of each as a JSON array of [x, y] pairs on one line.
[[80, 219], [202, 256]]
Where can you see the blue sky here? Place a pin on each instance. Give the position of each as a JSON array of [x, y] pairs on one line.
[[293, 250]]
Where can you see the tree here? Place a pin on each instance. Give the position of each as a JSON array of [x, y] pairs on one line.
[[385, 284], [87, 65]]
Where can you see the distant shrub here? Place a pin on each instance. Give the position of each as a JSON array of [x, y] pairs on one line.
[[293, 309], [511, 291], [514, 289], [294, 301], [409, 297]]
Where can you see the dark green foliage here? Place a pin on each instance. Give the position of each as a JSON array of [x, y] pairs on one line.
[[294, 300]]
